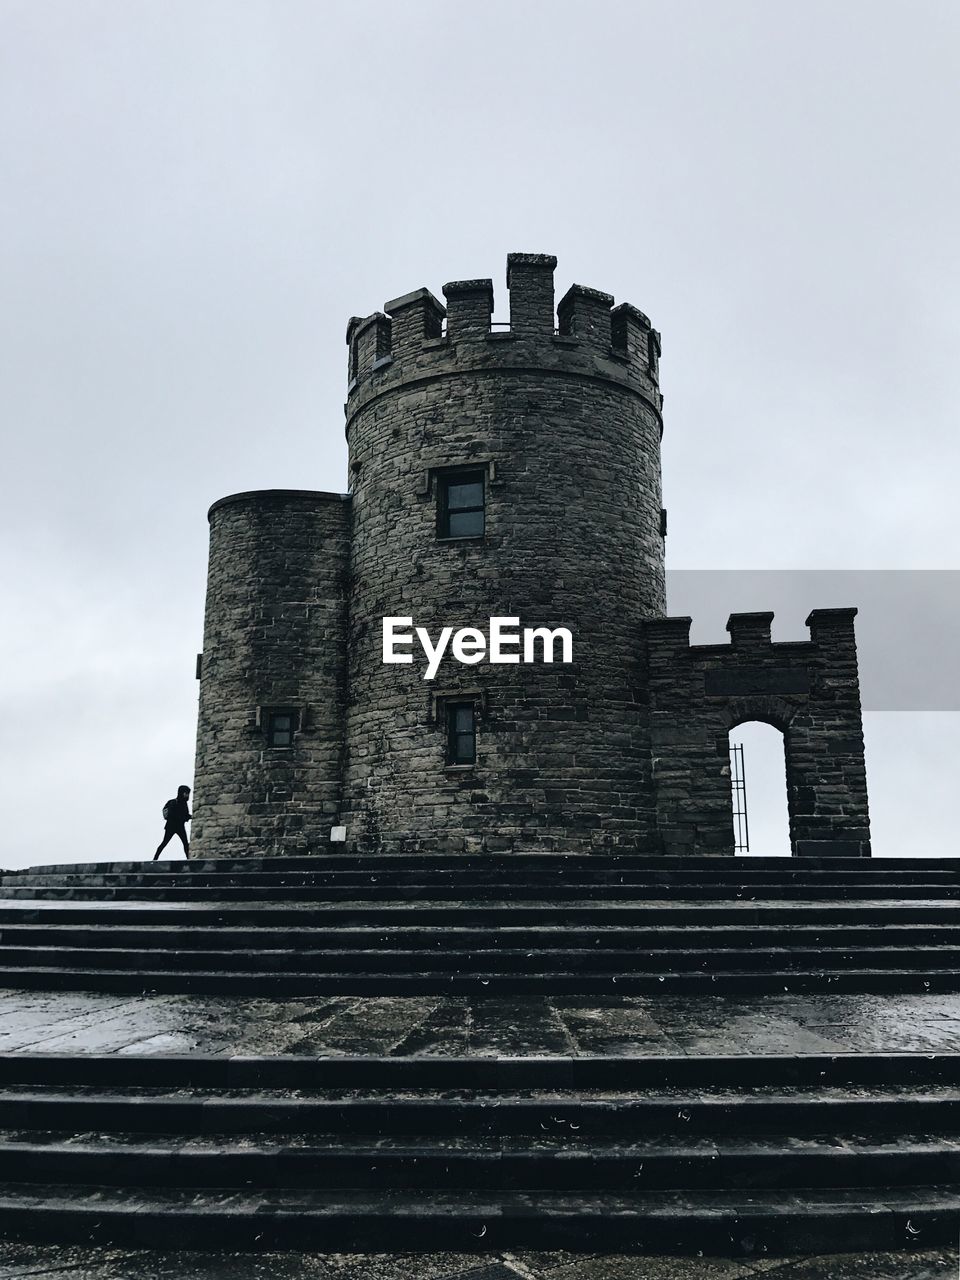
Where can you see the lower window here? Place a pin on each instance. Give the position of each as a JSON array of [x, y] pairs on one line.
[[280, 728], [461, 733], [460, 504]]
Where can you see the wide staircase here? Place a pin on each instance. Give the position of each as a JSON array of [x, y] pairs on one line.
[[523, 924], [728, 1154]]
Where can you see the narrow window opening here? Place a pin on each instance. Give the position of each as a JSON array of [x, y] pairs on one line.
[[280, 728], [460, 504], [461, 733]]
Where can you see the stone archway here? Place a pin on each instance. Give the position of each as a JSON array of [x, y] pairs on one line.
[[767, 708], [778, 713], [759, 796]]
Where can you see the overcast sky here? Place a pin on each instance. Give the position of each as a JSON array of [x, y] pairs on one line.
[[195, 196]]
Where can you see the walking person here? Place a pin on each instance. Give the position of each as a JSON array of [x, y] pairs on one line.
[[176, 814]]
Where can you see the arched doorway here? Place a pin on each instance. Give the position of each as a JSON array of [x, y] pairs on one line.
[[763, 786]]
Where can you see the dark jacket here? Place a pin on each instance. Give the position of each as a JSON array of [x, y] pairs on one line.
[[178, 812]]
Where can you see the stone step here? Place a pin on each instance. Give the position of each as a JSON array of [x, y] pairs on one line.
[[546, 1161], [705, 1222], [552, 891], [722, 937], [714, 980], [576, 1115], [467, 878], [485, 915], [496, 960], [217, 1072], [544, 861], [586, 868]]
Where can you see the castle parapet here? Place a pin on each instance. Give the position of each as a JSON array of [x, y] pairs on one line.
[[407, 341]]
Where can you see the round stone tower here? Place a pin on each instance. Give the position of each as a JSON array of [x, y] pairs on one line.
[[503, 472], [272, 673]]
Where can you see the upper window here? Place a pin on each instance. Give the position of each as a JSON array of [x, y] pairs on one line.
[[460, 503], [461, 733], [280, 727]]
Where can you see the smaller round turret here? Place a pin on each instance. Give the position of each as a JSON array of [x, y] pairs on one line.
[[272, 672]]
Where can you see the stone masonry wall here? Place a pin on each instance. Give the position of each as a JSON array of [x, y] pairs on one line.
[[808, 689], [275, 637]]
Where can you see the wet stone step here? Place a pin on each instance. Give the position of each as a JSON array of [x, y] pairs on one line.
[[713, 981], [607, 1090], [466, 879], [488, 915], [706, 1222], [413, 938], [713, 1073], [542, 893], [480, 883], [538, 1162], [678, 1113], [544, 861], [497, 961]]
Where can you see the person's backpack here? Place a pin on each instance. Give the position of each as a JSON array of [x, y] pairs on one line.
[[168, 809]]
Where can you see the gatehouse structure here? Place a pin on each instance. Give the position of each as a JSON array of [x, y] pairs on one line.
[[497, 472]]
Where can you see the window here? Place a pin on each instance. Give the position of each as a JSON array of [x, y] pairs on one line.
[[280, 728], [460, 505], [461, 733]]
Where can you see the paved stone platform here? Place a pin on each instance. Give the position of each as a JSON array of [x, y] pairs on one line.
[[26, 1262], [82, 1022]]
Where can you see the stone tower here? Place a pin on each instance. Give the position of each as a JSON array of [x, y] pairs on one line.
[[560, 428], [508, 472]]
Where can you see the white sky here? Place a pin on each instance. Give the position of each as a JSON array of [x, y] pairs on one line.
[[197, 194]]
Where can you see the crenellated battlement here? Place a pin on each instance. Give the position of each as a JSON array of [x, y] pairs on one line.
[[754, 665], [831, 630], [416, 336]]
